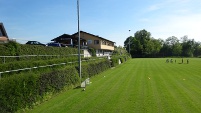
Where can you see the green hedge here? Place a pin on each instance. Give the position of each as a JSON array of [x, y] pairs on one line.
[[115, 60], [29, 64], [91, 69], [24, 90], [15, 49]]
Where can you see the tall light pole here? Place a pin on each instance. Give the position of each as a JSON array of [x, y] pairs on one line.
[[129, 43], [79, 57]]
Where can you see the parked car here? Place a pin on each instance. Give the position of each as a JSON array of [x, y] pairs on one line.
[[54, 44], [35, 43]]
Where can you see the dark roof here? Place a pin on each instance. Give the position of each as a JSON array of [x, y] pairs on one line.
[[3, 30], [92, 35], [63, 36]]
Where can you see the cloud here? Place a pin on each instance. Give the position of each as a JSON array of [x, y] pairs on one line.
[[144, 20], [155, 7], [168, 4], [178, 26]]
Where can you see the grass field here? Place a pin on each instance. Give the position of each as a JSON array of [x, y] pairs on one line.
[[139, 86]]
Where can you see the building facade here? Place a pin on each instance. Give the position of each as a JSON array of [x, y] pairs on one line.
[[3, 34], [103, 47]]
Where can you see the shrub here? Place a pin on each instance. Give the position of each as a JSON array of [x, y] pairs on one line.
[[23, 90], [92, 51], [15, 49], [114, 61], [93, 68]]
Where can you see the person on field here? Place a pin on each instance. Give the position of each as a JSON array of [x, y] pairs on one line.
[[175, 61], [171, 61], [182, 61], [167, 61], [187, 61]]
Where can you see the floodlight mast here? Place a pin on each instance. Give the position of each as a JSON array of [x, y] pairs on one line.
[[79, 57], [129, 43]]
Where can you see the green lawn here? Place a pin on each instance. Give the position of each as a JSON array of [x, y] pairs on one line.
[[139, 86]]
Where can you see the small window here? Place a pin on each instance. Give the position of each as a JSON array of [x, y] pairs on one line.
[[89, 41], [96, 41], [104, 42]]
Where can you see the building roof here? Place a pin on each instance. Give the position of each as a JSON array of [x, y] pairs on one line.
[[2, 30], [62, 36], [92, 35]]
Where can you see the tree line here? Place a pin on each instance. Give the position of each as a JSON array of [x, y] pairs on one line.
[[143, 45]]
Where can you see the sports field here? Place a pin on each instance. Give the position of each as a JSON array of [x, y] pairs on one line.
[[139, 86]]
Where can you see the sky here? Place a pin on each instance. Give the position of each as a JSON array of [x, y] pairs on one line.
[[43, 20]]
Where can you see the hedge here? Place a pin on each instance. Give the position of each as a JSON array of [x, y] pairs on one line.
[[90, 69], [24, 90], [115, 60], [30, 64], [15, 49]]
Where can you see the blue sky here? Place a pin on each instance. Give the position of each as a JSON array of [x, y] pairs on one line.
[[43, 20]]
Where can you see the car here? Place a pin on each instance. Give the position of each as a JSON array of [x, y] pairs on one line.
[[35, 43], [55, 44]]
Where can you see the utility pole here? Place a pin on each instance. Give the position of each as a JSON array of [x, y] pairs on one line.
[[129, 43], [79, 57]]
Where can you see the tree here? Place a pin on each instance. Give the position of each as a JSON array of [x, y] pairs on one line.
[[142, 43], [197, 49], [172, 46], [187, 46], [177, 49], [119, 51], [128, 42]]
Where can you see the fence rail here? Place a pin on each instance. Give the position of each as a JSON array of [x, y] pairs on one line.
[[21, 56], [23, 69]]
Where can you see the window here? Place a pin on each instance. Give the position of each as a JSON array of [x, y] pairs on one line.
[[104, 42], [96, 41], [89, 41]]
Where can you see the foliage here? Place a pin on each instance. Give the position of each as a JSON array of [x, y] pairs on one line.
[[93, 68], [15, 49], [12, 48], [115, 60], [30, 64], [143, 45], [25, 89], [120, 51], [92, 51]]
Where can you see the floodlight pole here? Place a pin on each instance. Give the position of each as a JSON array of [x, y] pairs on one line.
[[79, 57], [129, 43]]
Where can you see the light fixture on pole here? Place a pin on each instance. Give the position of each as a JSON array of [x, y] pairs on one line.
[[129, 43], [79, 57]]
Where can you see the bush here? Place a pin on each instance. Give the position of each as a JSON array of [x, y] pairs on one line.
[[115, 60], [92, 51], [23, 90], [31, 64], [15, 49], [90, 69]]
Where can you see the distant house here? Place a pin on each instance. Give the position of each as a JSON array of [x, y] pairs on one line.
[[3, 34], [103, 47], [69, 40]]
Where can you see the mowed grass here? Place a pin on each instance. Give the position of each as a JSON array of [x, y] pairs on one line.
[[139, 86]]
